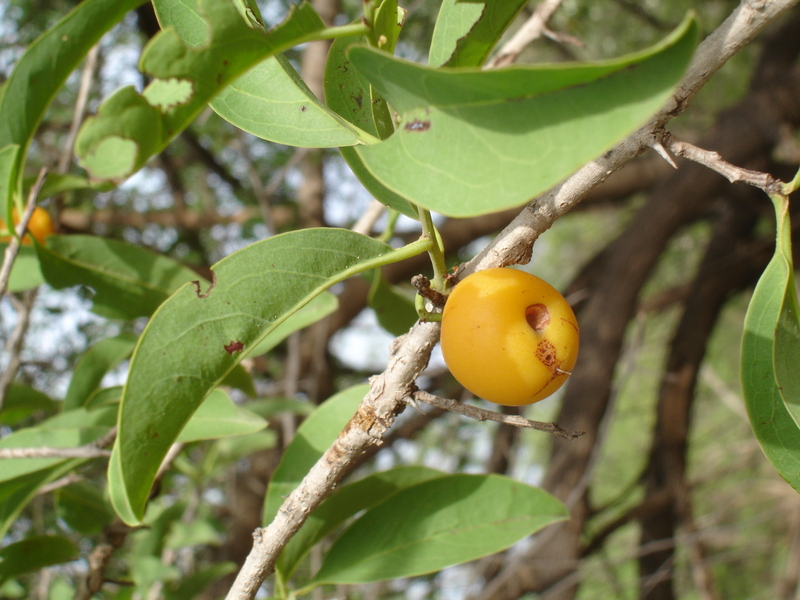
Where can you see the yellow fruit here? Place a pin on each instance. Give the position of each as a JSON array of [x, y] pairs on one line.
[[40, 226], [508, 336]]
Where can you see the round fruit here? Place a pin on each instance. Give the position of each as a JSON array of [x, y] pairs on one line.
[[40, 226], [508, 336]]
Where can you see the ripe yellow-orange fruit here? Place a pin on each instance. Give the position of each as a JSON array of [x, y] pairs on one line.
[[40, 226], [508, 336]]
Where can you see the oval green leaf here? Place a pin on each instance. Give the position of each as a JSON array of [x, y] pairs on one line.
[[472, 142], [128, 281], [273, 103], [437, 524], [344, 504], [200, 334], [34, 553], [349, 94], [769, 346]]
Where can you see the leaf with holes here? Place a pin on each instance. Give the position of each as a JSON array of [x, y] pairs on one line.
[[131, 127]]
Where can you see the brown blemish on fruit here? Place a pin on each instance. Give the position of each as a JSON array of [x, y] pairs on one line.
[[546, 353], [417, 125], [573, 325], [234, 346], [538, 316]]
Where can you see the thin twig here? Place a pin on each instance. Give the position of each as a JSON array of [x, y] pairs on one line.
[[535, 27], [13, 246], [80, 109], [482, 414], [95, 576], [89, 451], [96, 449], [59, 483], [15, 341], [172, 454], [715, 162], [367, 221]]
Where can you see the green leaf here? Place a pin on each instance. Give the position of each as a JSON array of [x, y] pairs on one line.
[[199, 335], [379, 191], [104, 397], [131, 127], [41, 72], [17, 492], [198, 532], [472, 142], [343, 505], [93, 366], [83, 507], [393, 307], [21, 478], [787, 330], [466, 32], [348, 93], [161, 517], [128, 281], [34, 553], [56, 183], [313, 437], [147, 570], [219, 417], [319, 308], [22, 401], [346, 90], [273, 406], [67, 430], [389, 20], [240, 379], [436, 524], [769, 347], [26, 273], [192, 586], [271, 101], [231, 449], [9, 157]]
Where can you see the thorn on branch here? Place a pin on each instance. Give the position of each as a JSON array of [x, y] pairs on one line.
[[662, 152], [481, 414]]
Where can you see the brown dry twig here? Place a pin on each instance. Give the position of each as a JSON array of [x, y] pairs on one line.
[[715, 162], [481, 414]]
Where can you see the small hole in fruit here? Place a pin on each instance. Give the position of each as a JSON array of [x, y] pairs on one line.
[[538, 316]]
